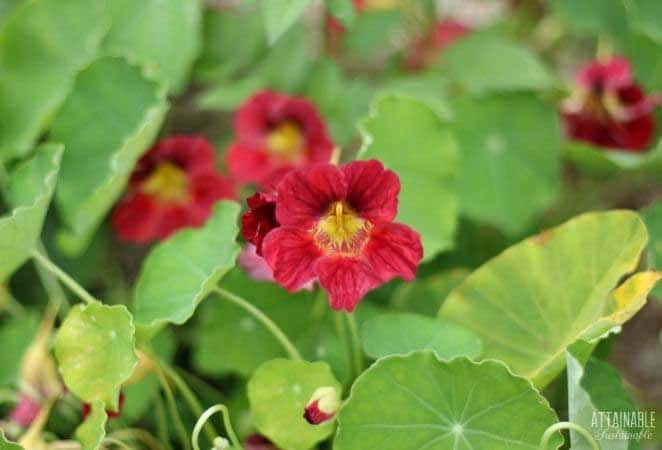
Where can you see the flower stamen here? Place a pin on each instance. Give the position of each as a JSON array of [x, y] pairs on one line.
[[168, 183], [286, 139], [341, 230]]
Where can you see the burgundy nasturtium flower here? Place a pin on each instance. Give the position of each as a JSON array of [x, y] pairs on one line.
[[609, 109], [258, 442], [274, 134], [174, 185], [322, 406], [336, 226], [260, 219]]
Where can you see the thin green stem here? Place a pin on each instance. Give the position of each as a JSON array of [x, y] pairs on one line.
[[357, 353], [264, 320], [117, 443], [204, 417], [172, 406], [189, 396], [63, 277], [341, 331], [161, 422], [544, 441], [51, 285], [136, 434]]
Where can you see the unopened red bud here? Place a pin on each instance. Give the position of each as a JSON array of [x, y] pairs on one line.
[[322, 406]]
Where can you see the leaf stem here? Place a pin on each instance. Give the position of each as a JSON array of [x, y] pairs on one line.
[[357, 353], [264, 320], [51, 285], [136, 434], [204, 417], [544, 441], [172, 406], [72, 284], [190, 398]]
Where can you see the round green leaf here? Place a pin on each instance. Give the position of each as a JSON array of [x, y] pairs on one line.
[[417, 402], [510, 152], [95, 351], [43, 45], [8, 445], [653, 218], [278, 393], [92, 431], [539, 296], [410, 138], [29, 191], [399, 334], [99, 158], [181, 271]]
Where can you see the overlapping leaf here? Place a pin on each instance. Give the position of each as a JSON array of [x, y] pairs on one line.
[[7, 445], [409, 137], [532, 301], [181, 271], [16, 336], [280, 15], [102, 142], [278, 393], [653, 218], [29, 191], [43, 45], [418, 402], [92, 431], [95, 351]]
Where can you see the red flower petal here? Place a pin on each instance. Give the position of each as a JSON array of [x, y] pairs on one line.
[[247, 164], [372, 190], [394, 250], [304, 195], [347, 280], [609, 75], [291, 253], [259, 220], [136, 219]]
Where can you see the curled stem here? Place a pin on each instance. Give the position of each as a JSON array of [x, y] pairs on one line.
[[205, 416], [544, 441], [264, 320], [64, 277]]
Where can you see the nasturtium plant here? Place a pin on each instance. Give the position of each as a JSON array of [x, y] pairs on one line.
[[95, 350], [418, 401], [554, 304], [330, 224]]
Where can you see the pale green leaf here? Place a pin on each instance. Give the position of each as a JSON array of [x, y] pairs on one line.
[[92, 431], [484, 62], [102, 143], [653, 218], [532, 301], [181, 271], [246, 342], [16, 336], [279, 392], [8, 445], [399, 334], [510, 162], [95, 351], [29, 191], [43, 45], [409, 138], [280, 15], [418, 402], [163, 35]]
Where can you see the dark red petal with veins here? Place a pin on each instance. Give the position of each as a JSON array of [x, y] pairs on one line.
[[304, 195], [291, 253], [346, 279], [259, 219], [372, 190], [394, 250]]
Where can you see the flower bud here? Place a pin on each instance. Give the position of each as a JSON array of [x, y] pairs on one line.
[[322, 406], [221, 443]]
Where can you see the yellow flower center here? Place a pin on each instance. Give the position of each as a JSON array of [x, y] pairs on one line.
[[168, 183], [341, 230], [286, 140], [381, 5]]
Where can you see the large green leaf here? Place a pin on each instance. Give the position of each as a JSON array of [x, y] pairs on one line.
[[595, 390], [279, 392], [246, 343], [412, 140], [532, 301], [510, 168], [102, 143], [95, 351], [425, 295], [417, 402], [29, 191], [399, 334], [164, 35], [180, 272], [647, 17], [485, 62], [280, 15], [91, 432], [16, 335], [653, 218], [43, 44], [592, 17], [603, 161]]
